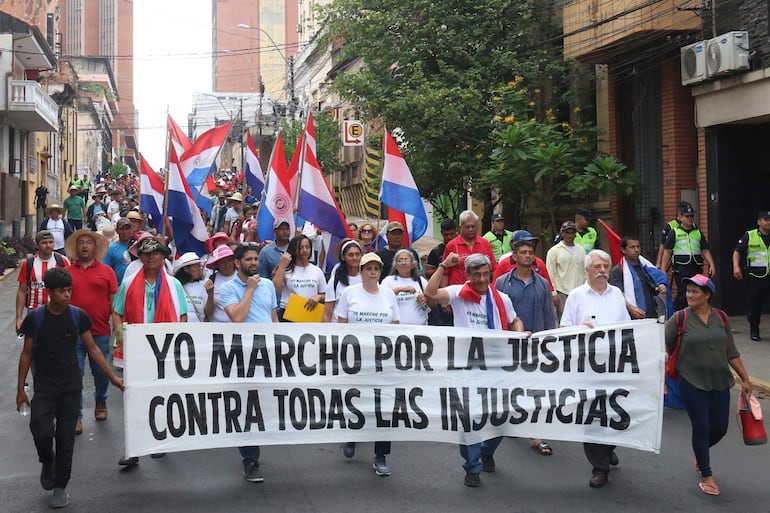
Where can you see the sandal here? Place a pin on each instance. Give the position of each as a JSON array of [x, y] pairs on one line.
[[709, 488], [543, 448]]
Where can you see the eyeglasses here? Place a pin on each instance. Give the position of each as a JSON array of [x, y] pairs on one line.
[[366, 231]]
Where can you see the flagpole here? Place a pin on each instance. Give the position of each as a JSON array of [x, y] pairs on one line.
[[300, 170], [379, 201], [165, 180]]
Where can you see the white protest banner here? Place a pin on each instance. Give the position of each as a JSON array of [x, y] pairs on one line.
[[204, 385]]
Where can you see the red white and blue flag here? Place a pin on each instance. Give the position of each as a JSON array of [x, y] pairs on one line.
[[200, 161], [316, 201], [150, 190], [255, 178], [399, 193], [177, 137], [279, 195], [189, 229]]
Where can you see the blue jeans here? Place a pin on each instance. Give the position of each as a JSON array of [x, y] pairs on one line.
[[250, 454], [472, 453], [709, 413], [101, 381]]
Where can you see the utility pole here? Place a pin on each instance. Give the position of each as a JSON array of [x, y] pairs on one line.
[[259, 119], [292, 99]]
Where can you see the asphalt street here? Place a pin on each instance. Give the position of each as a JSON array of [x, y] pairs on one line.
[[427, 477]]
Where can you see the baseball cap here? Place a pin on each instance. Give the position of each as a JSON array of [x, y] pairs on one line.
[[701, 281], [395, 225], [568, 225], [278, 222], [498, 217], [370, 257], [522, 235], [43, 235], [584, 212], [123, 221]]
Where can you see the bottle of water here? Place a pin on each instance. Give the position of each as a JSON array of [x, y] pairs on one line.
[[24, 408]]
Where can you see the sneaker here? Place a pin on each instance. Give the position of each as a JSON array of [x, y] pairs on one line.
[[614, 461], [251, 472], [59, 499], [472, 480], [598, 480], [128, 462], [380, 466], [487, 463], [47, 476], [349, 450]]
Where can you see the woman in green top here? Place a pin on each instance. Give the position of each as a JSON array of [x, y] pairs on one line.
[[706, 353]]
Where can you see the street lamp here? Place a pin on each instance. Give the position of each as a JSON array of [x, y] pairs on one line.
[[288, 61]]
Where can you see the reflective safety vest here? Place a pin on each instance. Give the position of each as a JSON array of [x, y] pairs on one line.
[[587, 240], [687, 247], [757, 255]]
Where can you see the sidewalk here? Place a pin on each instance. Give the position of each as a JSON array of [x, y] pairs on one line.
[[755, 355]]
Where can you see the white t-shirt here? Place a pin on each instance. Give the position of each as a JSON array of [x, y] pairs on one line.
[[196, 295], [411, 312], [219, 315], [360, 307], [468, 314], [113, 207], [57, 229], [333, 293], [232, 215], [304, 281]]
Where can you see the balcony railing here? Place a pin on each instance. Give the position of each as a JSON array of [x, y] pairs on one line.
[[30, 108]]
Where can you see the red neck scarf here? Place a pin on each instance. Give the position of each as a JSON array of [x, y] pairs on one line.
[[468, 294], [165, 310]]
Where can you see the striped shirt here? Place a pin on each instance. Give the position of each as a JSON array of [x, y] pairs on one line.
[[37, 294]]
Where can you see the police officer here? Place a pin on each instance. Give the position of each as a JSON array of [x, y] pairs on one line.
[[686, 249], [754, 247], [666, 229], [499, 238], [585, 235]]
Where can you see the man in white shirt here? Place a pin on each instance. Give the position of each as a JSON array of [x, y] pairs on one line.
[[594, 303], [475, 305]]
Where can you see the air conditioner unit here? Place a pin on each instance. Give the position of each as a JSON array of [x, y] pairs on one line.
[[693, 59], [728, 53]]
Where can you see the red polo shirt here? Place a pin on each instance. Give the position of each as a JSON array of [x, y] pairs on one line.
[[91, 291], [456, 274]]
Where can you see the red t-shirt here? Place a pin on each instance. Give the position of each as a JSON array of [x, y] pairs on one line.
[[456, 274], [37, 294], [91, 291]]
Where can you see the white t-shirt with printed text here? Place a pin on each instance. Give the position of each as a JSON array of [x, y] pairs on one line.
[[411, 312], [360, 307], [468, 314], [304, 281]]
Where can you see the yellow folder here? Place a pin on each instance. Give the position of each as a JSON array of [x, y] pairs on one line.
[[296, 311]]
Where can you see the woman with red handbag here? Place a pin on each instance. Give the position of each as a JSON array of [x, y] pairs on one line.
[[701, 351]]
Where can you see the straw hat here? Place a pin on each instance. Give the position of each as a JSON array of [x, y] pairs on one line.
[[71, 244], [54, 206], [109, 233]]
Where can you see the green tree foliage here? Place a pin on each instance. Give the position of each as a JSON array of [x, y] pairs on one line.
[[118, 169], [430, 71], [328, 141], [542, 162]]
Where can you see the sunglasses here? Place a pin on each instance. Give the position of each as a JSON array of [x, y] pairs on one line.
[[366, 231]]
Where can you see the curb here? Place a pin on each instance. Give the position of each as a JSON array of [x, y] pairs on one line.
[[760, 386]]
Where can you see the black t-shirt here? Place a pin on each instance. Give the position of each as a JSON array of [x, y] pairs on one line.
[[54, 354], [41, 194], [435, 255]]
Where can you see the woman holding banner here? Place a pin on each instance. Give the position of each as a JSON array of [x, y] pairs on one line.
[[409, 287], [294, 274], [702, 337], [347, 272], [369, 303]]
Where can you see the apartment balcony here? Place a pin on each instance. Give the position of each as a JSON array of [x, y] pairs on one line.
[[30, 108], [596, 30]]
